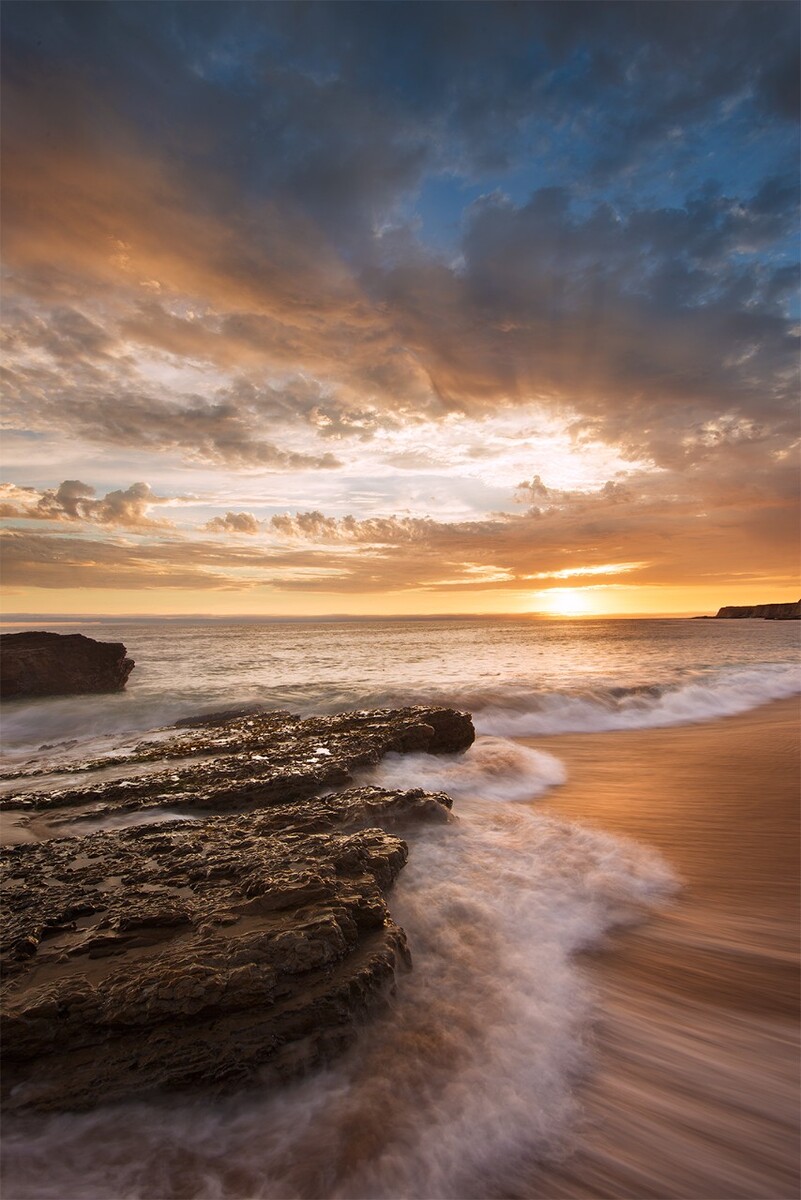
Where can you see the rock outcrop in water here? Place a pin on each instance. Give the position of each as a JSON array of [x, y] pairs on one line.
[[791, 611], [58, 664], [252, 942], [247, 761]]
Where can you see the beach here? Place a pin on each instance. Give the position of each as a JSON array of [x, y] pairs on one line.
[[400, 667], [603, 997], [695, 1088]]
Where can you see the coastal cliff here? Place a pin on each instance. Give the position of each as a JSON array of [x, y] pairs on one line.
[[204, 951], [791, 611]]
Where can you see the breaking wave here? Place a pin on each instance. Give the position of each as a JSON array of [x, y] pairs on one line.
[[525, 713], [522, 709], [492, 769]]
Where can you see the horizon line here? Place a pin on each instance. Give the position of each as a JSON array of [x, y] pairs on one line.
[[67, 618]]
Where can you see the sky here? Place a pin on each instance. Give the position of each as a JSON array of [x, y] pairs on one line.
[[394, 308]]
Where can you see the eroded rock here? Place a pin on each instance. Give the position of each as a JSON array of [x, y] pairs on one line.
[[254, 760], [57, 664], [216, 952], [206, 952]]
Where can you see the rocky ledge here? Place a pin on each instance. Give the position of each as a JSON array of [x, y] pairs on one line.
[[251, 943], [243, 761], [57, 664]]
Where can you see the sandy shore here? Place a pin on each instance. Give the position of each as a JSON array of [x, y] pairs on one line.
[[695, 1093]]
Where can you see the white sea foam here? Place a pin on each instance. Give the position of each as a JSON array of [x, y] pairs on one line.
[[492, 769], [59, 728], [522, 712], [471, 1069]]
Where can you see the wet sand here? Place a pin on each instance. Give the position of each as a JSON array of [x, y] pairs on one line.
[[695, 1089]]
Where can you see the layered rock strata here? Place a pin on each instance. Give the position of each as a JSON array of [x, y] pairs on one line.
[[209, 952], [57, 664]]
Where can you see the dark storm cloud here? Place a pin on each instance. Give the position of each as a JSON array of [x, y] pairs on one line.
[[383, 90], [247, 155], [647, 323], [340, 109]]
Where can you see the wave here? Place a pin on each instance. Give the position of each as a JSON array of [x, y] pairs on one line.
[[492, 769], [55, 731], [469, 1073], [58, 720], [700, 697], [520, 709]]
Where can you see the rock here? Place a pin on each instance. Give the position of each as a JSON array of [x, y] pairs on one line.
[[56, 664], [221, 717], [791, 611], [225, 949], [254, 760], [208, 952]]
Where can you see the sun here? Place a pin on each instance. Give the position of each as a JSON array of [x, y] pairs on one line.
[[567, 602]]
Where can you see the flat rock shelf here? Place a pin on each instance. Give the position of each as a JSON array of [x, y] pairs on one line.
[[205, 952]]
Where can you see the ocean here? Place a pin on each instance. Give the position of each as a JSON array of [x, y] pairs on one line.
[[518, 677], [482, 1077]]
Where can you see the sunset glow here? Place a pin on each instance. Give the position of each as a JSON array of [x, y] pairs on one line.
[[568, 602], [289, 331]]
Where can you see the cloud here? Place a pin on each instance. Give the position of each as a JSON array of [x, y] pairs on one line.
[[315, 527], [544, 500], [355, 102], [59, 561], [48, 561], [659, 529], [640, 322], [233, 522], [304, 239], [73, 500], [300, 262], [223, 432]]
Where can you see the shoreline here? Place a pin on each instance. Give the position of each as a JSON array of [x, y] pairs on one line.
[[694, 1090], [731, 754], [691, 1080]]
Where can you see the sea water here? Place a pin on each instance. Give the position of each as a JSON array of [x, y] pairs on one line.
[[518, 677], [469, 1079]]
